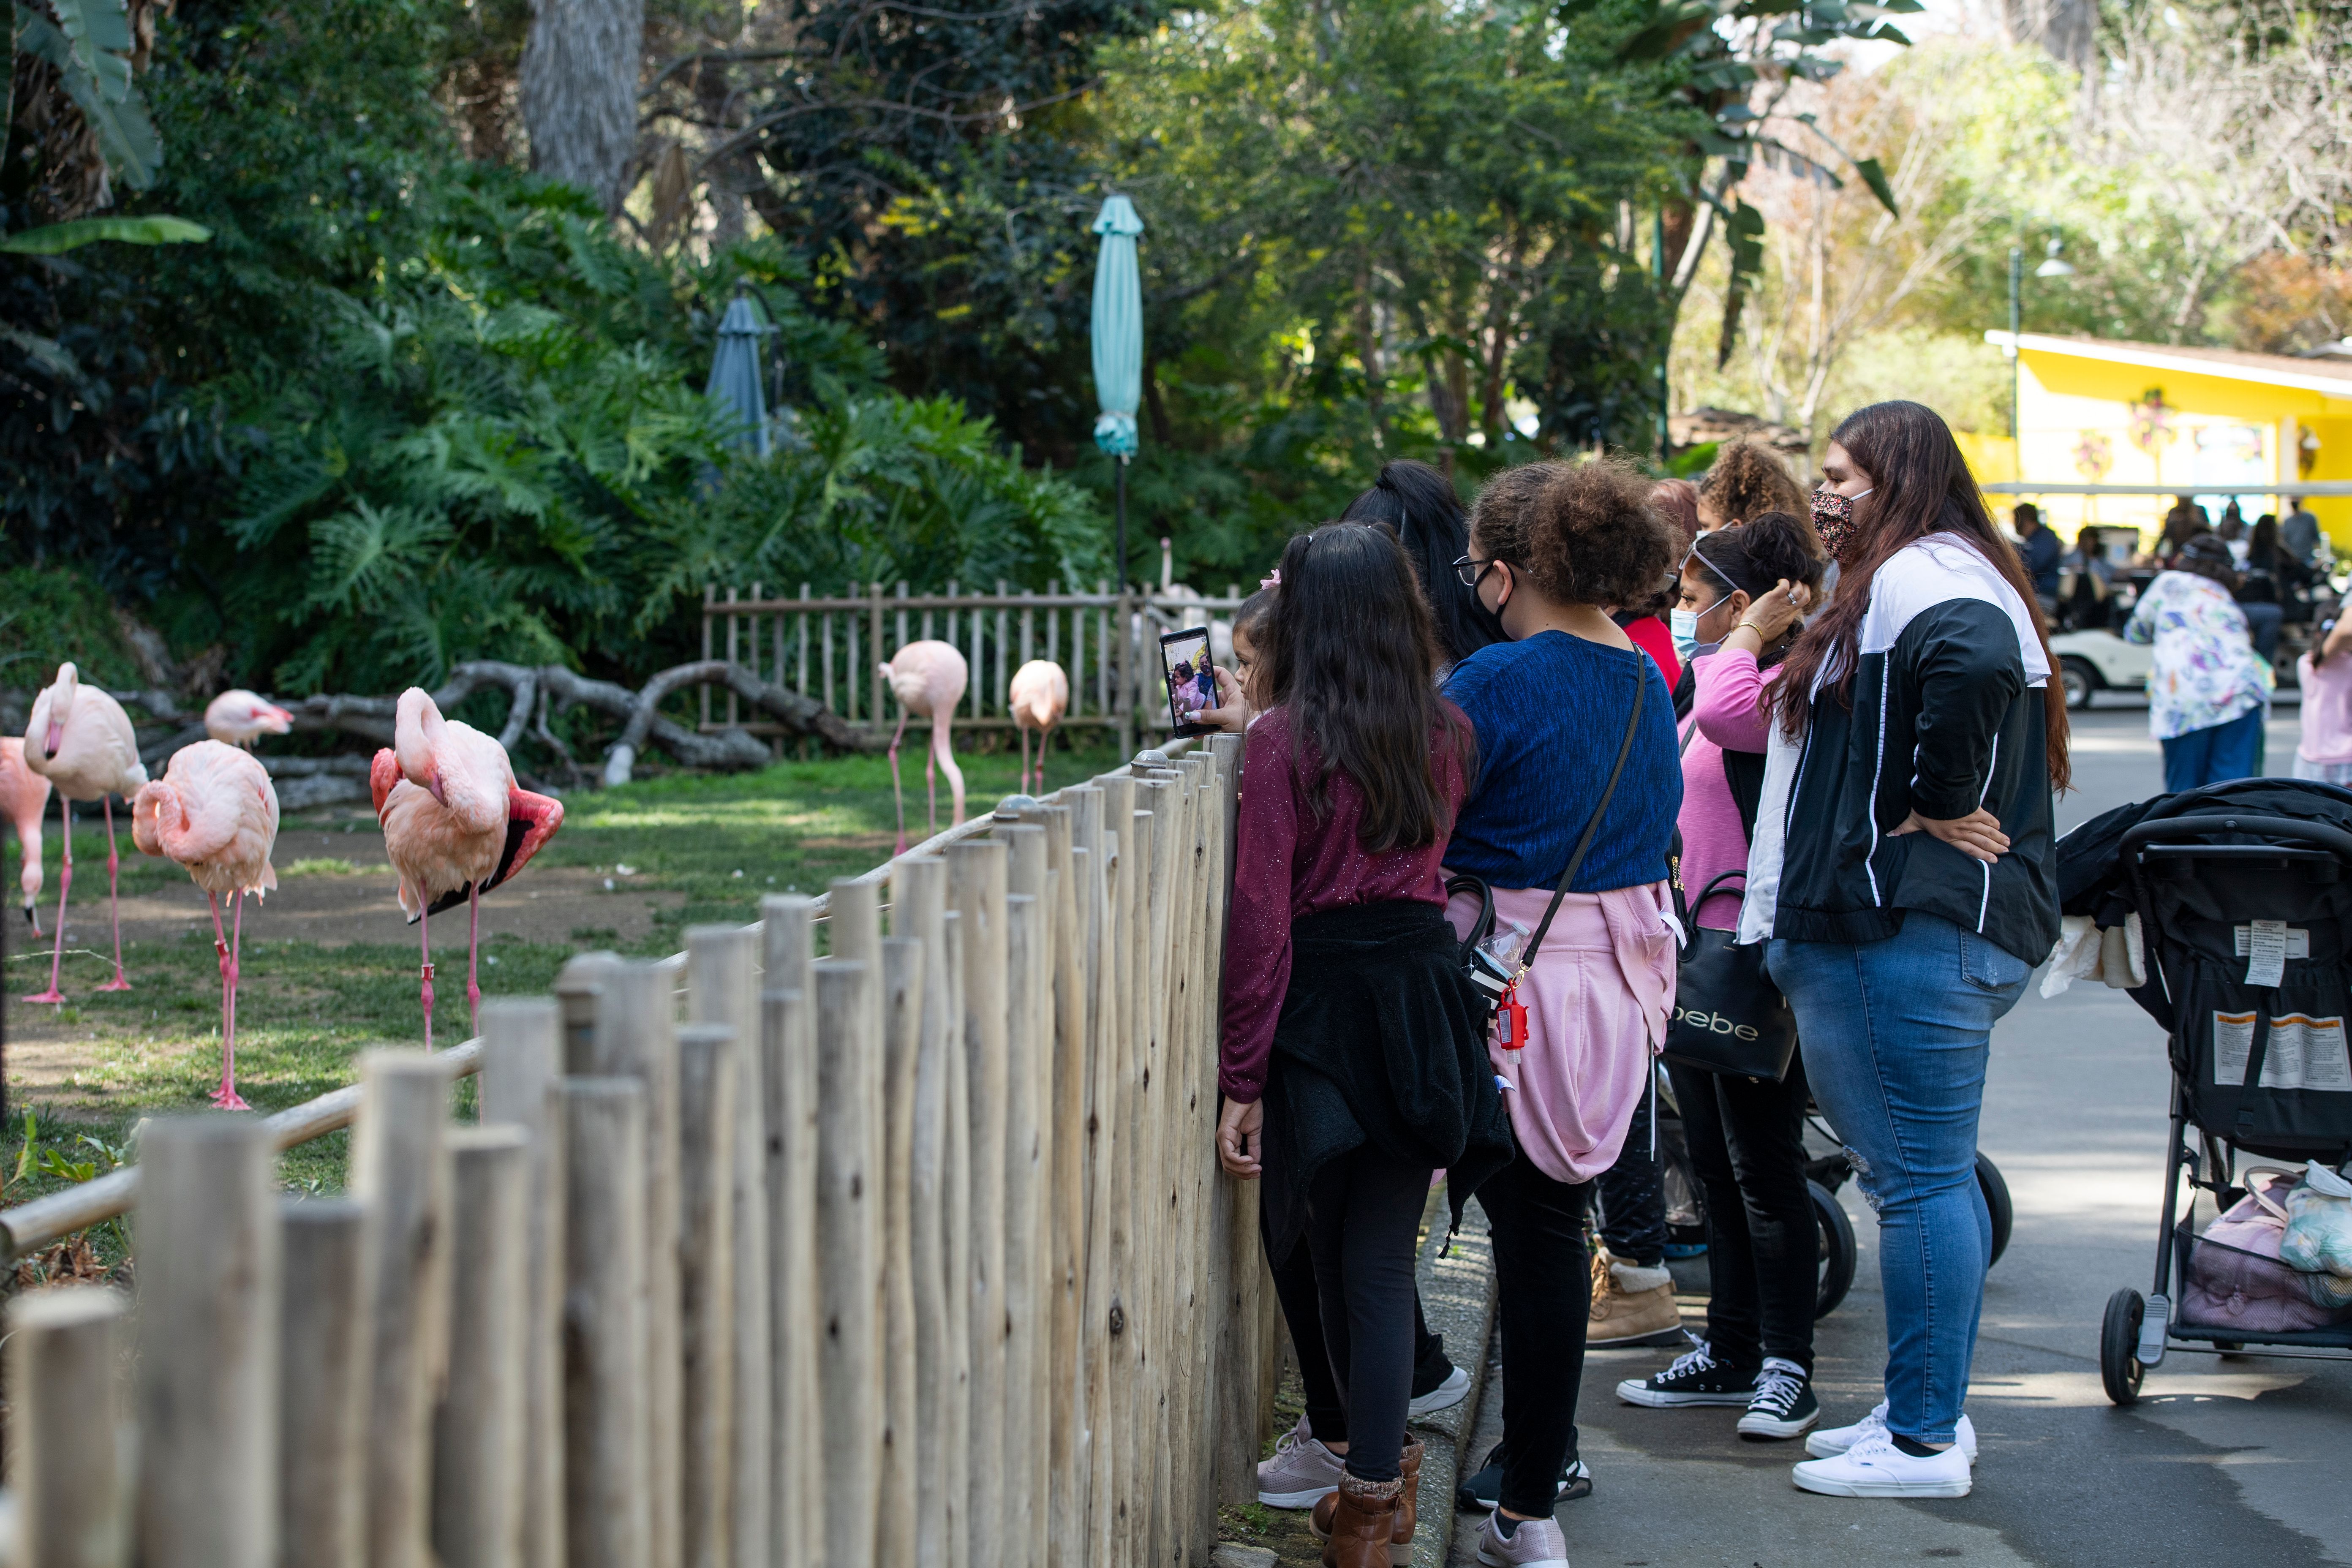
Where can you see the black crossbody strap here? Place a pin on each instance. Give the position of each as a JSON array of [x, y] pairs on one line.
[[1576, 861]]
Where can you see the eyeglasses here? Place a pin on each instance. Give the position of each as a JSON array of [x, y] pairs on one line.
[[1469, 569]]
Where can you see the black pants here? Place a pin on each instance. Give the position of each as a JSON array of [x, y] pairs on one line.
[[1302, 1313], [1632, 1195], [1763, 1258], [1363, 1216], [1543, 1278]]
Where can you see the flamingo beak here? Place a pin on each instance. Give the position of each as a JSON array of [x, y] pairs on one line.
[[435, 788], [57, 733]]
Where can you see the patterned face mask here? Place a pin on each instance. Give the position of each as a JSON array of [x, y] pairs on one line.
[[1833, 520]]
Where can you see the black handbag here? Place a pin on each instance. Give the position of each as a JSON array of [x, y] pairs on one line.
[[1489, 974], [1728, 1015]]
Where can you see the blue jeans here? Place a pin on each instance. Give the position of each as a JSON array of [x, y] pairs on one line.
[[2229, 750], [1895, 1036]]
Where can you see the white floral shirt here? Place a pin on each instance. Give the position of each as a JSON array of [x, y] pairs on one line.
[[2207, 671]]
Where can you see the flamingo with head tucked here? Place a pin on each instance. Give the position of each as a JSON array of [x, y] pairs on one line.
[[1038, 697], [241, 717], [456, 825], [80, 739], [24, 796], [929, 679], [215, 812]]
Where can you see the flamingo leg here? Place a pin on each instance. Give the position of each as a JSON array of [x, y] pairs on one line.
[[113, 900], [226, 1096], [424, 941], [65, 881], [932, 785], [1024, 759], [473, 955], [898, 790]]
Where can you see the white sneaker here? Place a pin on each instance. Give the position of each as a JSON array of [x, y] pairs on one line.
[[1874, 1467], [1836, 1440], [1302, 1473], [1535, 1544], [1445, 1396]]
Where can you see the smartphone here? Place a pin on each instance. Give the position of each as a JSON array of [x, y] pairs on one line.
[[1192, 682]]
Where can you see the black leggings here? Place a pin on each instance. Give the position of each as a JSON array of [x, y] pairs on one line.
[[1543, 1276], [1302, 1313], [1747, 1146], [1632, 1195], [1363, 1215]]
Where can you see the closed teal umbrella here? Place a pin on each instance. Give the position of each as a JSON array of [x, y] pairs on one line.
[[1118, 344], [735, 374]]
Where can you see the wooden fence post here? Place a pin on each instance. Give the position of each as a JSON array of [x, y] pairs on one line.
[[63, 1415], [1027, 1198], [976, 874], [847, 1254], [707, 1120], [1090, 852], [903, 964], [607, 1505], [399, 1169], [478, 1432], [723, 987], [943, 1407], [208, 1244], [521, 1062], [636, 1036], [322, 1389], [788, 1072], [1234, 1419], [1114, 1529]]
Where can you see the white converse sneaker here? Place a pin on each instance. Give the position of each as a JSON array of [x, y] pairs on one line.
[[1445, 1396], [1534, 1544], [1836, 1440], [1874, 1467], [1302, 1473]]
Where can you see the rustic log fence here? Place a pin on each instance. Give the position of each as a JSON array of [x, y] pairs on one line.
[[827, 649], [915, 1254]]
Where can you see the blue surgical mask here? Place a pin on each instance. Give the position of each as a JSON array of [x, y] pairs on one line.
[[1683, 624]]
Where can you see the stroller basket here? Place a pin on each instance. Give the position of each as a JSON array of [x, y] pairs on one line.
[[2229, 1293]]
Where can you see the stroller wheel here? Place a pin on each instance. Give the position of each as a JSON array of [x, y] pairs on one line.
[[2119, 1366], [1837, 1249], [1996, 1197]]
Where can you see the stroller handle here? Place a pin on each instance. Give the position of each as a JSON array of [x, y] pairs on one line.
[[2141, 835]]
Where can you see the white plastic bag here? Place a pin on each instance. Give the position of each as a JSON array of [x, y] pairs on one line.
[[2318, 1238]]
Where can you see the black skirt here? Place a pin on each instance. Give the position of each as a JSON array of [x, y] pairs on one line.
[[1381, 1044]]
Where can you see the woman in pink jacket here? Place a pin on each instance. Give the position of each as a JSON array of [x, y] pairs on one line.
[[1742, 590]]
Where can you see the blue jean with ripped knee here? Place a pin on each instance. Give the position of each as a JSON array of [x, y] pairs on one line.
[[1895, 1036]]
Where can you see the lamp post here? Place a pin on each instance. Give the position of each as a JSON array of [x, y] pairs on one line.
[[2052, 267]]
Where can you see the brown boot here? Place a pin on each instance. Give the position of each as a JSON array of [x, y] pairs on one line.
[[1622, 1316], [1408, 1512], [1362, 1523]]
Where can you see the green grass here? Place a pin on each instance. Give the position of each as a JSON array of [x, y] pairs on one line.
[[305, 1011]]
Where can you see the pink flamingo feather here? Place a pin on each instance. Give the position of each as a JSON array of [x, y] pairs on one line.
[[80, 739]]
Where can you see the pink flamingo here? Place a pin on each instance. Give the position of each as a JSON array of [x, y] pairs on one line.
[[456, 825], [241, 717], [215, 813], [927, 678], [81, 741], [24, 798], [1039, 696]]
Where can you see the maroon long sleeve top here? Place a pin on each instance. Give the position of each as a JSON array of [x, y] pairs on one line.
[[1288, 863]]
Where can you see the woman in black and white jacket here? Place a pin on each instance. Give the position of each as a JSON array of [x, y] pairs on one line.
[[1902, 871]]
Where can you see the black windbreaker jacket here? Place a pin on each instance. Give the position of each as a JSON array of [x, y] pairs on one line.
[[1946, 714]]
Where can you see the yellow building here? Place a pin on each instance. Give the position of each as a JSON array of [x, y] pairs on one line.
[[2116, 429]]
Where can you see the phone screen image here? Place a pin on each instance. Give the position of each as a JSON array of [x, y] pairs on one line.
[[1191, 683]]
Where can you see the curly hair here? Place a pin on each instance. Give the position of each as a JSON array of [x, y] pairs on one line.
[[1755, 555], [1746, 481], [1676, 501], [1583, 534]]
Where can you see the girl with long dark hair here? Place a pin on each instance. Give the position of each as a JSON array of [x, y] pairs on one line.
[[1417, 503], [1353, 1053], [1903, 873]]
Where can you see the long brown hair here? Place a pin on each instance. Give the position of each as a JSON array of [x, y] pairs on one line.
[[1351, 658], [1919, 485]]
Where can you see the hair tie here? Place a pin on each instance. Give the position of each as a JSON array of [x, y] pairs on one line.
[[1273, 582]]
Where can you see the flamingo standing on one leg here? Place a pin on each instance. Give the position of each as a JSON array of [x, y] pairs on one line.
[[1038, 697], [215, 812], [927, 678], [24, 798], [80, 739], [456, 825], [239, 718]]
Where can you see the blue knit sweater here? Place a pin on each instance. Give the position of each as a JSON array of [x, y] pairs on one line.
[[1550, 714]]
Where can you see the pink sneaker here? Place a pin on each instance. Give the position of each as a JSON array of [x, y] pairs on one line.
[[1302, 1472]]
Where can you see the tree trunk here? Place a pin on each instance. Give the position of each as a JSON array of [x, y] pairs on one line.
[[580, 91]]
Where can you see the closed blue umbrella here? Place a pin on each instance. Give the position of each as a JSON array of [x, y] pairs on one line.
[[735, 374], [1118, 344]]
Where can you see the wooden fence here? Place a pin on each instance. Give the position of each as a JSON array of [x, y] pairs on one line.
[[828, 649], [915, 1254]]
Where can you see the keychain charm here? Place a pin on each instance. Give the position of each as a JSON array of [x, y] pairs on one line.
[[1511, 1020]]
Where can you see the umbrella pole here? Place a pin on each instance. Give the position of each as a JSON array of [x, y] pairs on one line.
[[1122, 703]]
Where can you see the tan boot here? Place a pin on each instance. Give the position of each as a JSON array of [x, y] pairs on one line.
[[1362, 1523], [1408, 1514], [1620, 1316]]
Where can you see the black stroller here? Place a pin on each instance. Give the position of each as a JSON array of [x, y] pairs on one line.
[[2244, 896]]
